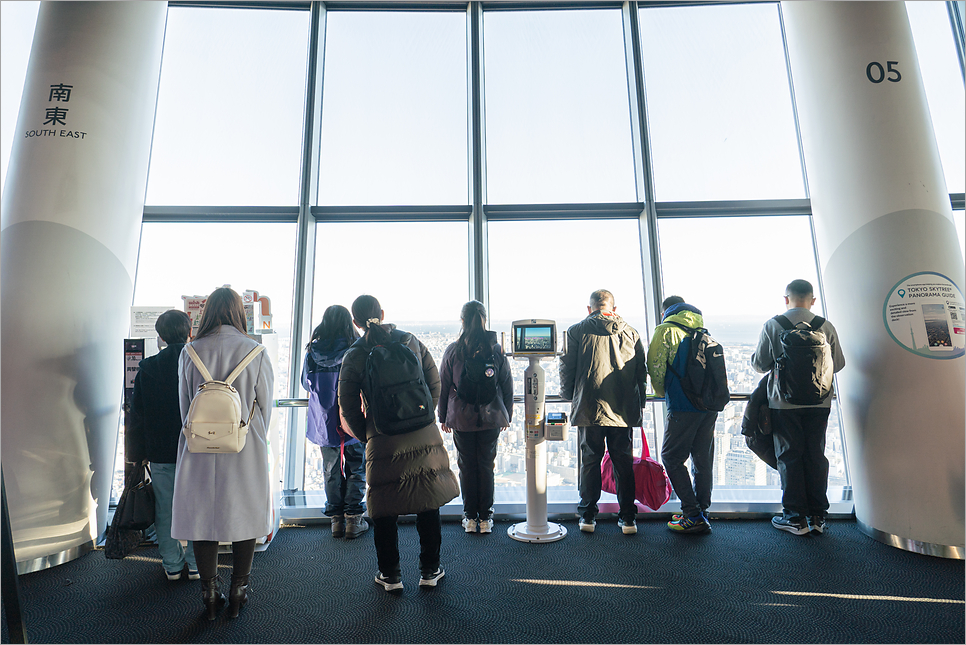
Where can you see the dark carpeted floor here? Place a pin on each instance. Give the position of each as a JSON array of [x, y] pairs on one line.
[[744, 583]]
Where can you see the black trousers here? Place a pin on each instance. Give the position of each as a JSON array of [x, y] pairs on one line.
[[618, 439], [799, 436], [690, 434], [476, 457], [385, 534]]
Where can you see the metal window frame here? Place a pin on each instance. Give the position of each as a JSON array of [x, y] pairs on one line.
[[477, 213]]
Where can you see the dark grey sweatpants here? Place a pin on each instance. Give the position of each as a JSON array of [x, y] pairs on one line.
[[690, 434]]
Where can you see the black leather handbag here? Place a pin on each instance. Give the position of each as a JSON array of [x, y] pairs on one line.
[[135, 509]]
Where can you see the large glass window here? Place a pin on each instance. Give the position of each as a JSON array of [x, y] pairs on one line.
[[256, 257], [557, 112], [737, 293], [943, 80], [17, 21], [228, 129], [554, 280], [419, 271], [719, 103], [394, 109]]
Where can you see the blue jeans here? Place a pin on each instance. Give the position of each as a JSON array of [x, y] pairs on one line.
[[173, 555], [344, 491], [476, 456]]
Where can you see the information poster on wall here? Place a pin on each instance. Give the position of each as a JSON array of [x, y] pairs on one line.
[[925, 313], [143, 320], [193, 306]]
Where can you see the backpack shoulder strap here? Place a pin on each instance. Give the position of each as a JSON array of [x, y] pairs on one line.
[[244, 363], [817, 323], [784, 322], [687, 330], [205, 374]]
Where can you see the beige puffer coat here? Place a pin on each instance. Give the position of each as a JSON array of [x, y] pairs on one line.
[[407, 473]]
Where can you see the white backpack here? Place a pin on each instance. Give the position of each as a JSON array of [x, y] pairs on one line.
[[214, 422]]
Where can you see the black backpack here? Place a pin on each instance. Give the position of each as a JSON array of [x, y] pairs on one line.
[[705, 379], [805, 364], [397, 395], [478, 379]]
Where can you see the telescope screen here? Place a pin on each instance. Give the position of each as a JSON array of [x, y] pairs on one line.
[[533, 339]]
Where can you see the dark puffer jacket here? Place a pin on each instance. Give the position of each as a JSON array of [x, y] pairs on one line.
[[407, 473], [467, 417], [604, 372]]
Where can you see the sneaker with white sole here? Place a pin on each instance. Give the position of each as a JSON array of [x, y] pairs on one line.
[[791, 524], [628, 527], [173, 575], [486, 526], [430, 579], [469, 525], [587, 526], [193, 574], [389, 583]]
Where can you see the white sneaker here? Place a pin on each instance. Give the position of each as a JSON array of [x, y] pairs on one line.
[[469, 525], [486, 526]]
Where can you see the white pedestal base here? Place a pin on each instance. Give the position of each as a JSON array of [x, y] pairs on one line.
[[522, 532]]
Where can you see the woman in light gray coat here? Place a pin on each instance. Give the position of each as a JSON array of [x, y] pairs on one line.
[[225, 497]]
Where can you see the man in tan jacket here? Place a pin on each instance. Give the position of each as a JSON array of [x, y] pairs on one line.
[[604, 375]]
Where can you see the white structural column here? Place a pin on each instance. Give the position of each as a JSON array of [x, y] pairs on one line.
[[891, 266], [71, 223]]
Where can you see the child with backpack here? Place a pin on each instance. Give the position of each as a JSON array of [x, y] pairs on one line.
[[689, 431], [476, 404], [407, 468], [343, 456]]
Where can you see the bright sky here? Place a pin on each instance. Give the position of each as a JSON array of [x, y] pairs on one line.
[[557, 130]]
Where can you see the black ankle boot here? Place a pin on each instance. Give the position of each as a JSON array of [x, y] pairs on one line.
[[238, 595], [212, 597]]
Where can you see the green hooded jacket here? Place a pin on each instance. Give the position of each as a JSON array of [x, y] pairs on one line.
[[664, 345]]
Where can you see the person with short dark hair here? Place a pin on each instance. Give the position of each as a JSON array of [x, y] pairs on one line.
[[688, 432], [476, 427], [406, 473], [604, 375], [154, 432], [225, 497], [798, 430], [343, 456]]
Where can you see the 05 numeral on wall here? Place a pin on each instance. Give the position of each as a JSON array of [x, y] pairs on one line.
[[877, 74]]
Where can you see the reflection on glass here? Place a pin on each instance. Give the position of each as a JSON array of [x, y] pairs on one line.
[[557, 111], [228, 129], [943, 80], [719, 104], [394, 109]]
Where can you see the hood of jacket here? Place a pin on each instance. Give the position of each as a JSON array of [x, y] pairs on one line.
[[684, 314], [327, 352], [605, 324]]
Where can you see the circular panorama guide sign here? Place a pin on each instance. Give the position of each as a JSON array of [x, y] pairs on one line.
[[924, 313]]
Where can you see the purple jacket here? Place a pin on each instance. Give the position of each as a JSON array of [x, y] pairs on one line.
[[320, 376], [462, 416]]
